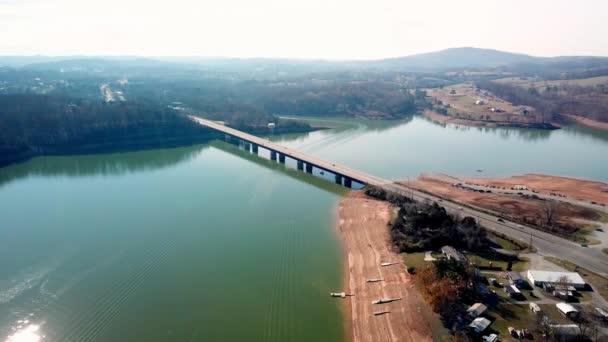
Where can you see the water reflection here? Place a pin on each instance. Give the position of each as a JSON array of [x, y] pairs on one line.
[[527, 134], [99, 164], [25, 332], [319, 181]]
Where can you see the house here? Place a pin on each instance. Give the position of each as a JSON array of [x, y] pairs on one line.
[[476, 310], [516, 278], [567, 331], [513, 291], [480, 324], [567, 310], [452, 254], [601, 313], [543, 278]]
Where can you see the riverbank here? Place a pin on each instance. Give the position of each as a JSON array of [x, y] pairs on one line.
[[586, 121], [445, 119], [362, 228]]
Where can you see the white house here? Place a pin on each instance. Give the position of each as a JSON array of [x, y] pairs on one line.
[[480, 324], [540, 278]]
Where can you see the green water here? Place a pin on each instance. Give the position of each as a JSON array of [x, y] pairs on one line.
[[209, 243]]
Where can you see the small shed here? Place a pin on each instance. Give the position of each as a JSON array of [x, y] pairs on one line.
[[477, 310], [480, 324], [567, 310], [453, 254]]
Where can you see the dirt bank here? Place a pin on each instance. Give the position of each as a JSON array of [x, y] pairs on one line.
[[362, 227], [586, 121]]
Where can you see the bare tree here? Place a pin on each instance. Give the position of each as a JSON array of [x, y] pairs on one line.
[[548, 212], [543, 326]]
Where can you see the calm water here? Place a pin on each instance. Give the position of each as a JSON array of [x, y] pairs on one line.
[[208, 243]]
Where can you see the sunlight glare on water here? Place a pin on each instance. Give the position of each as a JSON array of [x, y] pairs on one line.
[[29, 333]]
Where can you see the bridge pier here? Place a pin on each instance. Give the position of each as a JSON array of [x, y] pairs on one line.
[[300, 165], [273, 155], [348, 182], [254, 148], [338, 179], [308, 168], [281, 158], [247, 146]]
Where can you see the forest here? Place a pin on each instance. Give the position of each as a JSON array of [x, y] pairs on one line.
[[35, 125]]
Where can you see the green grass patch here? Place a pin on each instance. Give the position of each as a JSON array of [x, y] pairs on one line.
[[506, 315], [497, 260], [414, 259]]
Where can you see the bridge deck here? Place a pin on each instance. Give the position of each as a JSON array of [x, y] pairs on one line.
[[355, 175]]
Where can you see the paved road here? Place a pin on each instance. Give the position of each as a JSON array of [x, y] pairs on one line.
[[545, 243]]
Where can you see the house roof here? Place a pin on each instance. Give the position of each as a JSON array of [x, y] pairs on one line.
[[453, 253], [552, 277], [565, 308], [477, 308], [512, 289], [480, 324]]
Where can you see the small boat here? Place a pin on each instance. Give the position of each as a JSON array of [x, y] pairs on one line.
[[388, 263], [374, 280], [385, 300], [378, 313], [338, 294]]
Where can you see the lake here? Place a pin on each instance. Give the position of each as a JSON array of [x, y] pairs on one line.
[[211, 243]]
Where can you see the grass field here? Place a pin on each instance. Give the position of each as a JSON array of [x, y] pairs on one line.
[[497, 260]]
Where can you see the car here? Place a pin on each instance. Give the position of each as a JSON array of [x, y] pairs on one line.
[[584, 244], [500, 220]]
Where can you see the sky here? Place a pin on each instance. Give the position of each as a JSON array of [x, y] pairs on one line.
[[326, 29]]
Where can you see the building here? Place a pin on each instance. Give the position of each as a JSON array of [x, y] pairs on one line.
[[513, 291], [477, 310], [542, 278], [480, 324], [567, 310], [516, 278], [452, 254]]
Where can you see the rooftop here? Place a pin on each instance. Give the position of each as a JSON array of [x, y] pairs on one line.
[[552, 277]]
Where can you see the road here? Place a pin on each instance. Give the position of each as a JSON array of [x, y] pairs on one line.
[[546, 244]]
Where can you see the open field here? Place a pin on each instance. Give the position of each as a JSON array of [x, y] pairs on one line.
[[474, 106], [531, 82], [363, 229], [575, 203]]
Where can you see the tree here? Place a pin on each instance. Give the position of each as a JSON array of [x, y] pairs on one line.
[[548, 210]]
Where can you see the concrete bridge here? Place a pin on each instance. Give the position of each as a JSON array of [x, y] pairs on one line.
[[343, 175], [547, 244]]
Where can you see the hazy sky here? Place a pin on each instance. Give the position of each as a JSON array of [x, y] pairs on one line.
[[343, 29]]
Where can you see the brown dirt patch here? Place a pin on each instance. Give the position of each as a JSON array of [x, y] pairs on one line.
[[514, 206], [362, 226]]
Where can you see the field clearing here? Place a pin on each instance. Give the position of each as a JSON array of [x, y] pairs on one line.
[[528, 82], [463, 101]]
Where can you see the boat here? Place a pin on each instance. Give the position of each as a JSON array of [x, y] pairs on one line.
[[385, 300], [378, 313], [338, 294], [374, 280], [388, 263]]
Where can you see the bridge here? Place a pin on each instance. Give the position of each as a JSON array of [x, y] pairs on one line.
[[343, 175], [546, 244]]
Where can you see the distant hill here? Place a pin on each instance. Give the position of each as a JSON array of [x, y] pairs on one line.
[[453, 59], [458, 58]]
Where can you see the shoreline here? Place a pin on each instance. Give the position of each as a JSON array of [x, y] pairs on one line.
[[446, 119], [364, 239], [586, 121]]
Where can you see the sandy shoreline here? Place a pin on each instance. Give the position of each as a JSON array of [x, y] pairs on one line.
[[587, 122], [361, 225]]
